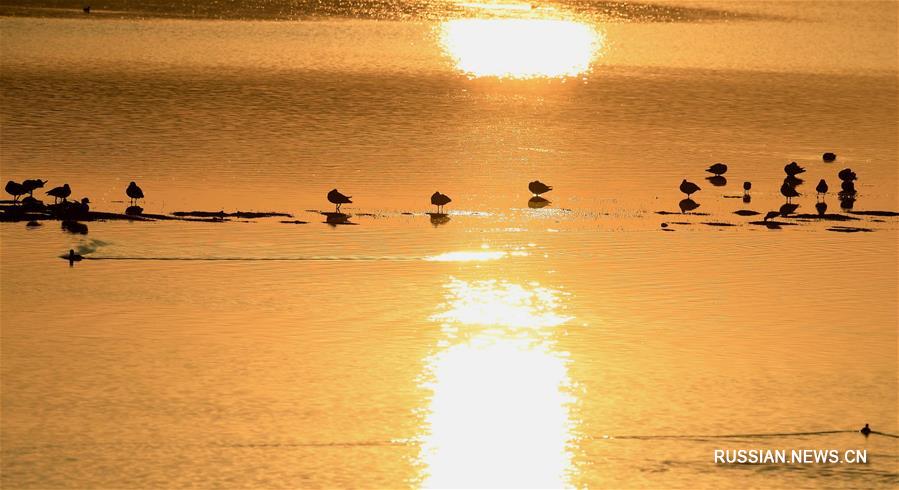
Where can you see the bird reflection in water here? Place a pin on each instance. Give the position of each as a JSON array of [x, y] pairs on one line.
[[438, 219], [717, 180], [687, 205], [538, 202], [500, 412], [335, 219]]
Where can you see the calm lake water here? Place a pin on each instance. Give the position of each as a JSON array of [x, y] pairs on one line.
[[505, 347]]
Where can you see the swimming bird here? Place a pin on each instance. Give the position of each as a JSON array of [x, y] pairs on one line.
[[865, 430], [789, 191], [537, 187], [829, 157], [822, 187], [60, 192], [440, 200], [771, 215], [15, 189], [31, 184], [134, 192], [335, 197], [793, 169], [688, 188], [847, 174], [718, 169], [746, 186]]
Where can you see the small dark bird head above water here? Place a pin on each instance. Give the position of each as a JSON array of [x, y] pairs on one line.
[[771, 215], [536, 187], [829, 157], [847, 174], [717, 169], [688, 188], [793, 169], [822, 187], [865, 430]]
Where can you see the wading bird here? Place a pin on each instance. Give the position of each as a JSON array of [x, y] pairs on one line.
[[537, 187], [31, 184], [847, 174], [866, 430], [14, 189], [440, 200], [688, 188], [822, 187], [746, 186], [335, 197], [789, 191], [718, 169], [134, 192], [61, 192]]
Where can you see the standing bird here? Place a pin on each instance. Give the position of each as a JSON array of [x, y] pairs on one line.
[[746, 186], [822, 187], [15, 189], [537, 187], [718, 169], [847, 174], [829, 157], [688, 188], [31, 184], [865, 430], [60, 193], [788, 191], [335, 197], [134, 192], [793, 169], [440, 200]]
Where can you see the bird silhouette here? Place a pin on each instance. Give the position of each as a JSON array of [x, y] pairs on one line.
[[793, 169], [536, 187], [771, 215], [829, 157], [821, 207], [865, 430], [15, 190], [688, 188], [718, 169], [31, 184], [440, 200], [134, 192], [847, 174], [746, 187], [822, 187], [335, 197], [537, 202], [61, 192], [788, 191], [793, 181]]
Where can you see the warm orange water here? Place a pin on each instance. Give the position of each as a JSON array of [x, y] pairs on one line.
[[509, 347]]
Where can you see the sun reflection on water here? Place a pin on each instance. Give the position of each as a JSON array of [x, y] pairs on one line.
[[520, 47], [499, 411]]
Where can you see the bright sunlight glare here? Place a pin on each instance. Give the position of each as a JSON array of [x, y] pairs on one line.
[[520, 48], [499, 413]]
